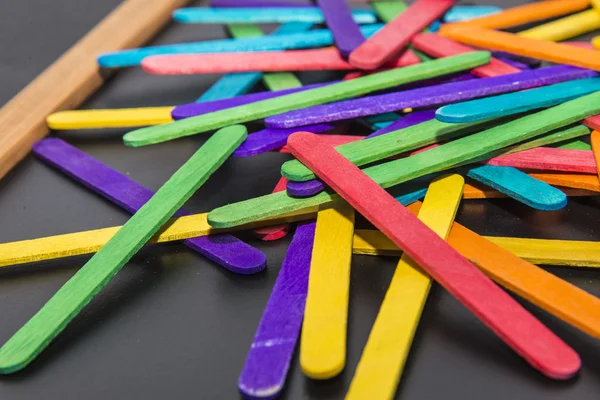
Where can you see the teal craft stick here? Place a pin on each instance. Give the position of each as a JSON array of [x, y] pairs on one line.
[[322, 95], [517, 102], [465, 13], [290, 41], [261, 15], [56, 314], [449, 155]]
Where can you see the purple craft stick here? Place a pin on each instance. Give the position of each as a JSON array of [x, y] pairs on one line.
[[256, 3], [428, 96], [514, 63], [271, 351], [271, 139], [531, 62], [225, 250], [346, 32], [195, 109]]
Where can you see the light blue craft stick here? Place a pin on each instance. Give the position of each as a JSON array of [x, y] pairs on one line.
[[232, 85], [520, 186], [517, 102], [381, 121], [409, 198], [302, 40], [465, 13], [261, 15]]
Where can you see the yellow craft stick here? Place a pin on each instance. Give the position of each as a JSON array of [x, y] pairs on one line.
[[570, 253], [565, 28], [383, 358], [87, 242], [323, 344], [117, 118]]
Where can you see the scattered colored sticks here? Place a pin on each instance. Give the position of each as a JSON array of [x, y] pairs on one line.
[[495, 308]]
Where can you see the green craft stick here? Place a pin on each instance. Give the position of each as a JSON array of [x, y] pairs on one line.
[[449, 155], [54, 316], [388, 10], [574, 145], [274, 80], [294, 101]]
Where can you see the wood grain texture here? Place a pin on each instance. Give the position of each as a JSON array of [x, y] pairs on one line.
[[396, 34], [383, 358], [565, 28], [23, 119], [570, 180], [225, 250], [338, 18], [270, 355], [428, 96], [449, 155], [57, 313], [508, 319], [549, 159], [335, 92], [514, 103], [323, 341], [541, 49], [439, 46]]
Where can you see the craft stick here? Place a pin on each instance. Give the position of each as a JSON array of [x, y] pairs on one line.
[[530, 62], [475, 190], [257, 3], [332, 140], [23, 119], [388, 10], [565, 28], [446, 156], [517, 102], [395, 35], [271, 233], [524, 14], [541, 49], [338, 18], [595, 141], [261, 15], [574, 145], [115, 118], [592, 122], [570, 180], [465, 13], [549, 159], [335, 92], [383, 358], [272, 139], [301, 40], [495, 308], [225, 250], [292, 60], [439, 46], [55, 315], [273, 345], [323, 342], [413, 118], [428, 96], [513, 63]]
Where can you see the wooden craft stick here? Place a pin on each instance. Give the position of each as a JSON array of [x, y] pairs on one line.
[[338, 91], [524, 14], [464, 13], [225, 250], [475, 190], [383, 358], [574, 145], [592, 122], [323, 342], [565, 28], [261, 15], [595, 141], [338, 18], [388, 10], [549, 159], [428, 96], [115, 118], [292, 60], [23, 119], [273, 345], [495, 308], [439, 46], [333, 140], [446, 156], [276, 232], [541, 49], [55, 315], [272, 139], [388, 43], [411, 119], [577, 181], [514, 103], [257, 3], [301, 40]]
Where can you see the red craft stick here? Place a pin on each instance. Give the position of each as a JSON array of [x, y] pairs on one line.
[[499, 311], [549, 159], [270, 233], [439, 46], [591, 122], [270, 61], [332, 140], [389, 42]]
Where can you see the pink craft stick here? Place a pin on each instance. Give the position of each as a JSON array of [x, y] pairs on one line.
[[333, 140], [549, 159]]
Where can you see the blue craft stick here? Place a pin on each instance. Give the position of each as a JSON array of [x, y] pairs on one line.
[[414, 118], [380, 121], [261, 15], [290, 41], [465, 13], [520, 186], [411, 197], [435, 26], [513, 103]]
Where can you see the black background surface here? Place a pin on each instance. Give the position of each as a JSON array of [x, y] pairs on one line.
[[172, 325]]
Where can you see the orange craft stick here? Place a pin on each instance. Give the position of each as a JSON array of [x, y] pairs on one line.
[[534, 48], [523, 14], [595, 140], [577, 181]]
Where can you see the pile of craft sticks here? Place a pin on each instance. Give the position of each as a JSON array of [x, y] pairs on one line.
[[447, 94]]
